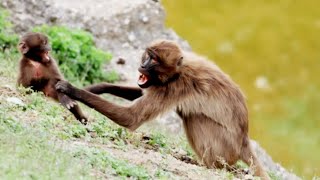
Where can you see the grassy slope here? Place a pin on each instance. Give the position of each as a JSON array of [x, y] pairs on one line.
[[41, 140], [36, 138]]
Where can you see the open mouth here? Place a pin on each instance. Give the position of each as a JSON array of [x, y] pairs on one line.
[[143, 79]]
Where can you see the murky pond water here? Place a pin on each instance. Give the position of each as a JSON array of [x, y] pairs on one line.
[[272, 50]]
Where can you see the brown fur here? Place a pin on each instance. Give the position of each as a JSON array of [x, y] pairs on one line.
[[211, 105], [40, 72]]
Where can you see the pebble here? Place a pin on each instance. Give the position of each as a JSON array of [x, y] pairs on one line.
[[126, 21], [15, 100], [144, 18], [131, 37]]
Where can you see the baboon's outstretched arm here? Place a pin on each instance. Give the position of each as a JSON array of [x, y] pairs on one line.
[[130, 117], [129, 93]]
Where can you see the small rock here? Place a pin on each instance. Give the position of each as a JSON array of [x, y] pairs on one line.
[[15, 100], [246, 171], [146, 137], [121, 61], [248, 177], [131, 37], [53, 19], [125, 45], [126, 21], [8, 87], [144, 18], [93, 134], [181, 152]]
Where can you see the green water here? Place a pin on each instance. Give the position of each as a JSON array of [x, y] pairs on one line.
[[277, 45]]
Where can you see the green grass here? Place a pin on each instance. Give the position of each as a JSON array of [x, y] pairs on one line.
[[78, 58], [30, 155], [33, 153], [278, 40], [103, 162], [34, 138]]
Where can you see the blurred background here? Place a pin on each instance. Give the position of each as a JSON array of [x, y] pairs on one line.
[[272, 50]]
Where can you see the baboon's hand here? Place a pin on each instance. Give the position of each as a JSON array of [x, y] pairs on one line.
[[84, 121], [67, 102], [64, 87]]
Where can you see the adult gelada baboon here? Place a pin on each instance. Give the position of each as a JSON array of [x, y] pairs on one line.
[[211, 105]]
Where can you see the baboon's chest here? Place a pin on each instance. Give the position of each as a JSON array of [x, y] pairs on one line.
[[38, 79], [38, 70], [195, 104]]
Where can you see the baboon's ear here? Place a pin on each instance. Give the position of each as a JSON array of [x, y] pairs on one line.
[[180, 61], [23, 47]]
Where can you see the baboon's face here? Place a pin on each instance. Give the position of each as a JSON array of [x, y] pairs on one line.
[[35, 46], [160, 62]]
